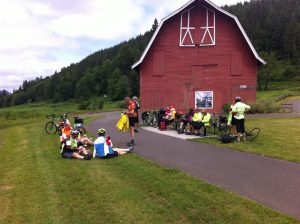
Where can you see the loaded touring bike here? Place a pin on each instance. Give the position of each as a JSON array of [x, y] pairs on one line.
[[55, 126]]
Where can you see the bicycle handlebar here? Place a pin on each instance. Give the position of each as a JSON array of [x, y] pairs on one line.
[[51, 115]]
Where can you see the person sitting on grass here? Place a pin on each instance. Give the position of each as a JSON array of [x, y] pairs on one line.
[[66, 132], [70, 149], [205, 121], [84, 140], [103, 147], [186, 121]]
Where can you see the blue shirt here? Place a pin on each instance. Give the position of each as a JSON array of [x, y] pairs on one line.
[[101, 149]]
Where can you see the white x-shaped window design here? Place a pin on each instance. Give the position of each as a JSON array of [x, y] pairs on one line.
[[186, 37], [206, 36]]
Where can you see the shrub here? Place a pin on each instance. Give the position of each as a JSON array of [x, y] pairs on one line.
[[265, 107], [92, 104], [225, 108], [83, 105]]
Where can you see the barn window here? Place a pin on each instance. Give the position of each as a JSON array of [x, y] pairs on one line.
[[197, 26], [186, 37], [208, 28]]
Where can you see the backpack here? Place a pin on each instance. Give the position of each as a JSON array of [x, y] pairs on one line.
[[227, 139], [162, 126]]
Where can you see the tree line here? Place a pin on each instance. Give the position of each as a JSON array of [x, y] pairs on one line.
[[272, 25]]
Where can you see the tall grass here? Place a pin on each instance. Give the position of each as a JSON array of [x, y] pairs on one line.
[[265, 107]]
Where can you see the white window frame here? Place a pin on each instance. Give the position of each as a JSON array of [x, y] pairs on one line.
[[186, 30], [207, 29]]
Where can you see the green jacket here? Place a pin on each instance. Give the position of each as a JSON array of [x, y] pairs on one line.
[[206, 119], [240, 108]]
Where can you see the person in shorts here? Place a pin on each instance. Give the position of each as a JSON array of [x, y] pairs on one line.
[[103, 147], [71, 149], [231, 122], [196, 123], [238, 111], [185, 122], [137, 108], [132, 119]]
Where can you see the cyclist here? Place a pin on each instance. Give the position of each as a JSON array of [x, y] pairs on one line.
[[186, 121], [65, 132], [238, 110], [103, 147], [168, 117], [231, 122], [83, 139], [196, 123], [132, 118], [205, 120], [70, 149], [137, 107]]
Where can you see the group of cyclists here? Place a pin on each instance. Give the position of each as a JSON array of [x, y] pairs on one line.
[[195, 120], [74, 144]]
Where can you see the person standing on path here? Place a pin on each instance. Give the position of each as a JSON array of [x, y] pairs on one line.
[[238, 111], [137, 107], [132, 118]]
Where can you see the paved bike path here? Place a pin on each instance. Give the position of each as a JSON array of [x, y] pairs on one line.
[[272, 182]]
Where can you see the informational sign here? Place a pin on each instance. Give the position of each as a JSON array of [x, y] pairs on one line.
[[204, 99]]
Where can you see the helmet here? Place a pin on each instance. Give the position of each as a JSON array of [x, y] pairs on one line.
[[238, 98], [68, 143], [134, 98], [74, 132], [101, 131]]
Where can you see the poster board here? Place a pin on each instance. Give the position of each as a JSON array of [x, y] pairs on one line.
[[204, 99]]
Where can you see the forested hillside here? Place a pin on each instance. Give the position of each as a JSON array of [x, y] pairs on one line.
[[272, 25]]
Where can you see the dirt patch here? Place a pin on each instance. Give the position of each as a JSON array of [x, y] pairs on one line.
[[6, 187]]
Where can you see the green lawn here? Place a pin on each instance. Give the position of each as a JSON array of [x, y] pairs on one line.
[[279, 88], [38, 186], [279, 138]]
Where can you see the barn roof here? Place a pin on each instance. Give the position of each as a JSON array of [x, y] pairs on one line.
[[218, 9]]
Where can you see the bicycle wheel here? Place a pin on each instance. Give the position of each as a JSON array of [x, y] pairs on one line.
[[51, 128], [81, 130], [251, 135]]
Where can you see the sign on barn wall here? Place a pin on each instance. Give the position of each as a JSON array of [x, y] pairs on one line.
[[204, 99]]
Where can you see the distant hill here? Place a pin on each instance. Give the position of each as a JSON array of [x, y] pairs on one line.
[[272, 25], [4, 92]]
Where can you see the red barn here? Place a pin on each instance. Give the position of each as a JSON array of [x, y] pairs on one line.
[[199, 56]]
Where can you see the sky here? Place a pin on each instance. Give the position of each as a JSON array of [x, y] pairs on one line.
[[39, 37]]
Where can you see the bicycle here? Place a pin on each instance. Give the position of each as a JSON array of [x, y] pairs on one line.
[[52, 127], [150, 118], [252, 134]]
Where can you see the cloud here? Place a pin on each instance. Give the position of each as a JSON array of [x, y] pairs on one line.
[[40, 37]]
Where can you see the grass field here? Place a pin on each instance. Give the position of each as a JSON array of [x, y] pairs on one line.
[[279, 138], [38, 186], [278, 89]]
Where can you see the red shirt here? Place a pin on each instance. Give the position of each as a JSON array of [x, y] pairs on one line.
[[131, 109]]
